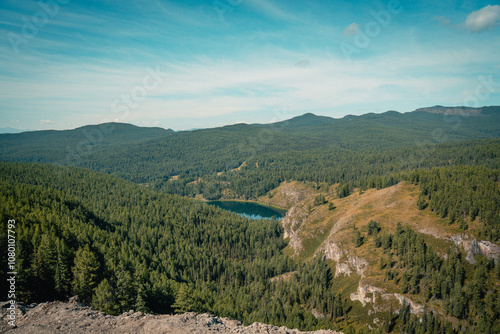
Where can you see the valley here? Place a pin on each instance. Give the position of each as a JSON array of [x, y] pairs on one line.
[[250, 166], [388, 224]]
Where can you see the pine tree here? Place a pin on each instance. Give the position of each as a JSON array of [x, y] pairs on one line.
[[85, 273], [183, 299], [358, 239], [140, 301], [421, 202], [373, 228], [42, 267], [62, 274], [125, 290], [104, 298]]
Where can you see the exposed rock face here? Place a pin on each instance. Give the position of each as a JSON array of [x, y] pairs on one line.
[[363, 291], [414, 307], [330, 250], [369, 294], [456, 111], [353, 264], [342, 268], [472, 247], [358, 264], [294, 193], [291, 224], [317, 314], [288, 194], [73, 317]]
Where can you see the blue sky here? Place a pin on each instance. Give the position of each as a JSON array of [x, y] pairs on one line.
[[197, 64]]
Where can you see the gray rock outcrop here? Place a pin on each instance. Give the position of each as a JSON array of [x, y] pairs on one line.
[[73, 317], [473, 247]]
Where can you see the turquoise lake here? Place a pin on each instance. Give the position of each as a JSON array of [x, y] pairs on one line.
[[250, 209]]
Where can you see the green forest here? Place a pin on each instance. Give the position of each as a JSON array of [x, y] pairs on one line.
[[306, 148], [115, 223], [120, 246]]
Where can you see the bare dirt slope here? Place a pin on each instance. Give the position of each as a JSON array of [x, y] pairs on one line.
[[73, 317]]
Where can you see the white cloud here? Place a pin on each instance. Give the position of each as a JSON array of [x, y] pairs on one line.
[[351, 29], [146, 123], [210, 88], [270, 9], [487, 18]]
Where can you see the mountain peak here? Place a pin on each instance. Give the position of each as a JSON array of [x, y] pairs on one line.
[[459, 110], [309, 119]]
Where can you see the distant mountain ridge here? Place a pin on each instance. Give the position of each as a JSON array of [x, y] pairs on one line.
[[307, 119], [56, 145], [105, 127], [11, 130], [461, 111], [330, 148]]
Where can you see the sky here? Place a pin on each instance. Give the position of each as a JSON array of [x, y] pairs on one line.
[[199, 64]]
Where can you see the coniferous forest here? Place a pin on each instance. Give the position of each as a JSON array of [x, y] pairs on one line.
[[119, 246], [118, 224]]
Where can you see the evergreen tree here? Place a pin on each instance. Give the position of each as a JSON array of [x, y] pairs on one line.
[[42, 267], [125, 289], [62, 271], [373, 227], [85, 273], [183, 299], [104, 298], [358, 239]]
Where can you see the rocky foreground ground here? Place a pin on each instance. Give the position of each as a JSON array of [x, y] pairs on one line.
[[73, 318]]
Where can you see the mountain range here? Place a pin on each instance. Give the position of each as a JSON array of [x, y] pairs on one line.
[[392, 220]]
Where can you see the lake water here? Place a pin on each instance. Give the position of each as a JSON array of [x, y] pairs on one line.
[[250, 209]]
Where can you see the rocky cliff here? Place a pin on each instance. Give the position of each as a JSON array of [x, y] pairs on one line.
[[74, 317]]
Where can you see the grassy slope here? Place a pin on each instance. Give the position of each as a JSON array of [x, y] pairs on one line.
[[386, 206]]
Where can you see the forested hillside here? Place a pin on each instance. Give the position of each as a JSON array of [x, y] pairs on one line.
[[73, 146], [427, 243], [305, 148], [130, 241], [119, 246], [461, 195]]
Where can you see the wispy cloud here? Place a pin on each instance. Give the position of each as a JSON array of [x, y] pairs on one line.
[[268, 55], [487, 18], [270, 9], [351, 30]]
